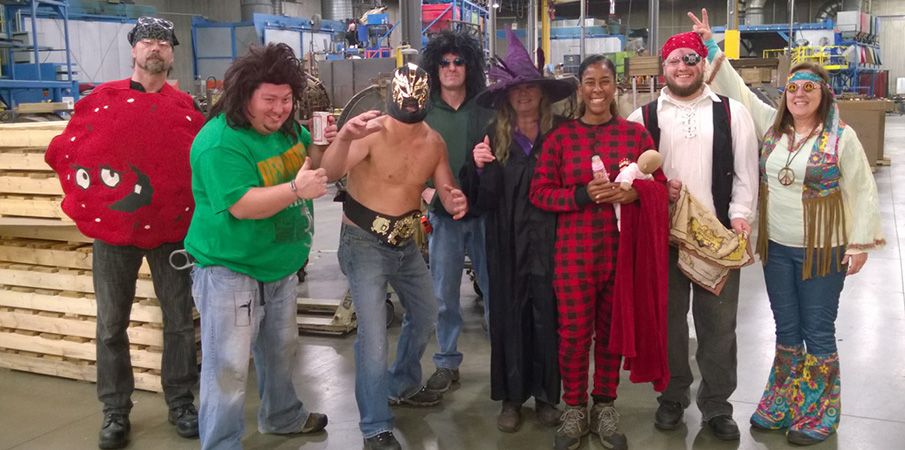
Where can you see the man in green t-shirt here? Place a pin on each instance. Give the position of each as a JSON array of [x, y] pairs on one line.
[[253, 177]]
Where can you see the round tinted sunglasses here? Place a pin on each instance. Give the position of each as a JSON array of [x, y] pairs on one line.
[[458, 62], [807, 86]]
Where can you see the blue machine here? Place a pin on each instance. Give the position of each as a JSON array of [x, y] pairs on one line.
[[32, 82]]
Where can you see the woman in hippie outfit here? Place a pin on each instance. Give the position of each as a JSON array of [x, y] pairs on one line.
[[819, 217]]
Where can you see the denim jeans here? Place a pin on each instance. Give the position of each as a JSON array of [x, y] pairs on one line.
[[240, 314], [115, 271], [804, 311], [370, 264], [447, 246]]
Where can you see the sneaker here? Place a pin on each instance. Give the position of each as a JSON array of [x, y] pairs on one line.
[[669, 415], [574, 427], [185, 418], [547, 413], [510, 419], [605, 423], [442, 379], [424, 397], [115, 431], [383, 441], [314, 423]]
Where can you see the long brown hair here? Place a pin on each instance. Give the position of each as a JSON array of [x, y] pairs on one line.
[[274, 64], [784, 122], [505, 126]]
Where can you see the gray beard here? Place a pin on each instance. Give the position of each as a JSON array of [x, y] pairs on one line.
[[155, 66], [685, 91]]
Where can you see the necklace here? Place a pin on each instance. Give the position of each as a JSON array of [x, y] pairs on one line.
[[786, 175]]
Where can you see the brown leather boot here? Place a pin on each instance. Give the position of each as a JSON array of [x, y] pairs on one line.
[[510, 419]]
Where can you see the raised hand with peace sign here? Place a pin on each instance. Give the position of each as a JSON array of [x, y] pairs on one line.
[[702, 25]]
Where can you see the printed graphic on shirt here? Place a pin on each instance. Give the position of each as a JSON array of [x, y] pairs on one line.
[[287, 225], [282, 168]]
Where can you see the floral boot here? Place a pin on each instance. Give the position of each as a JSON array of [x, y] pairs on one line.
[[773, 412], [816, 406]]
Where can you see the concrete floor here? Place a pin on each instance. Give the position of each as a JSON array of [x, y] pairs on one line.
[[41, 412]]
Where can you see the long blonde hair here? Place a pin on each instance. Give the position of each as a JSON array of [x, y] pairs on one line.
[[505, 126]]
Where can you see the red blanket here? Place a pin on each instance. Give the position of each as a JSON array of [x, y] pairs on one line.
[[639, 311]]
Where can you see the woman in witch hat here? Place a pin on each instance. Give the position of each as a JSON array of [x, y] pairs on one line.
[[497, 178]]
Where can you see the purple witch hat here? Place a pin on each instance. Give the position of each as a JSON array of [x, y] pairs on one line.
[[517, 69]]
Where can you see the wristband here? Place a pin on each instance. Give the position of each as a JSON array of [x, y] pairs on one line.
[[292, 186]]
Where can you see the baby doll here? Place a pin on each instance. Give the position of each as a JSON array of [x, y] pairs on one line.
[[648, 162]]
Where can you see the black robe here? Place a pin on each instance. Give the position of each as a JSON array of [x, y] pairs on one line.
[[519, 240]]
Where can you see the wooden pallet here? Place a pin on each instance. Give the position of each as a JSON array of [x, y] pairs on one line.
[[37, 134], [48, 312]]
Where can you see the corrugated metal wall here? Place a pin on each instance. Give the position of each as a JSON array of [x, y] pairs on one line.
[[891, 31]]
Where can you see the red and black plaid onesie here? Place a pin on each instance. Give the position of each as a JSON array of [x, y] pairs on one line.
[[586, 241]]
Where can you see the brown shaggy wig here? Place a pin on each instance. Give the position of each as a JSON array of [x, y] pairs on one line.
[[459, 43], [274, 64], [784, 122]]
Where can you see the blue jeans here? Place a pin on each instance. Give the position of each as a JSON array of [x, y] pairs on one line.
[[447, 246], [804, 311], [240, 314], [370, 264], [115, 270]]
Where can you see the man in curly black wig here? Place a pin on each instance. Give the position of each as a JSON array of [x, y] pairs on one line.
[[455, 62]]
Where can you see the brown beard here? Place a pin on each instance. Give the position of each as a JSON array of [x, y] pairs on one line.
[[680, 91]]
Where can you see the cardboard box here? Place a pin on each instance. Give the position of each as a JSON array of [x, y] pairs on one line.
[[868, 119]]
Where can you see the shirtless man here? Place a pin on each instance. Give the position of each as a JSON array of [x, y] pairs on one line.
[[388, 159]]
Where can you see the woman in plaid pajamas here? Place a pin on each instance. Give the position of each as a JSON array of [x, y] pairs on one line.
[[586, 242]]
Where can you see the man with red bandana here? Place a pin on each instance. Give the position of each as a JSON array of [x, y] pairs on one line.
[[708, 143], [123, 161]]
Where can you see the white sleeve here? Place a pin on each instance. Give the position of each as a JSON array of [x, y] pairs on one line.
[[745, 156], [635, 116], [859, 195], [724, 80]]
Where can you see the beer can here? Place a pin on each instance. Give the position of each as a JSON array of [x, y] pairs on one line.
[[319, 127]]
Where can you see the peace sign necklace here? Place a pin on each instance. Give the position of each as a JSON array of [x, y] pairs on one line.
[[786, 175]]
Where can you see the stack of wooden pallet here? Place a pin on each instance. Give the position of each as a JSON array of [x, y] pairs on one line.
[[47, 306]]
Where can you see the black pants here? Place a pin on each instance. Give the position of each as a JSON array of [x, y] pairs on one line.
[[115, 271]]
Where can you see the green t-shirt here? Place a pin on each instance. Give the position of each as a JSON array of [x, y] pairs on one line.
[[226, 163]]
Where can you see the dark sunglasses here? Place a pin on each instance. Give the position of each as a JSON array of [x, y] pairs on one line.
[[459, 62], [690, 60]]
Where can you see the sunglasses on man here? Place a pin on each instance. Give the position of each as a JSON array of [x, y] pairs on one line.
[[690, 60], [458, 62]]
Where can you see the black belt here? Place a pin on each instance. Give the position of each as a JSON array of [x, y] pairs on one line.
[[394, 230]]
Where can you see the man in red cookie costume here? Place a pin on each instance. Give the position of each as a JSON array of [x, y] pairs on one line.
[[709, 145], [123, 161]]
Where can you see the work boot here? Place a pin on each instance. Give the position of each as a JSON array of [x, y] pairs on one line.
[[574, 427], [605, 423], [510, 417], [115, 431], [724, 427], [314, 423], [547, 413], [424, 397], [185, 418], [442, 379], [383, 441], [669, 415]]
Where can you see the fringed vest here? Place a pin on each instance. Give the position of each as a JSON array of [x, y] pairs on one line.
[[821, 198]]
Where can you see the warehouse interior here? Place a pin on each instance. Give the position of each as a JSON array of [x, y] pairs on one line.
[[52, 53]]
